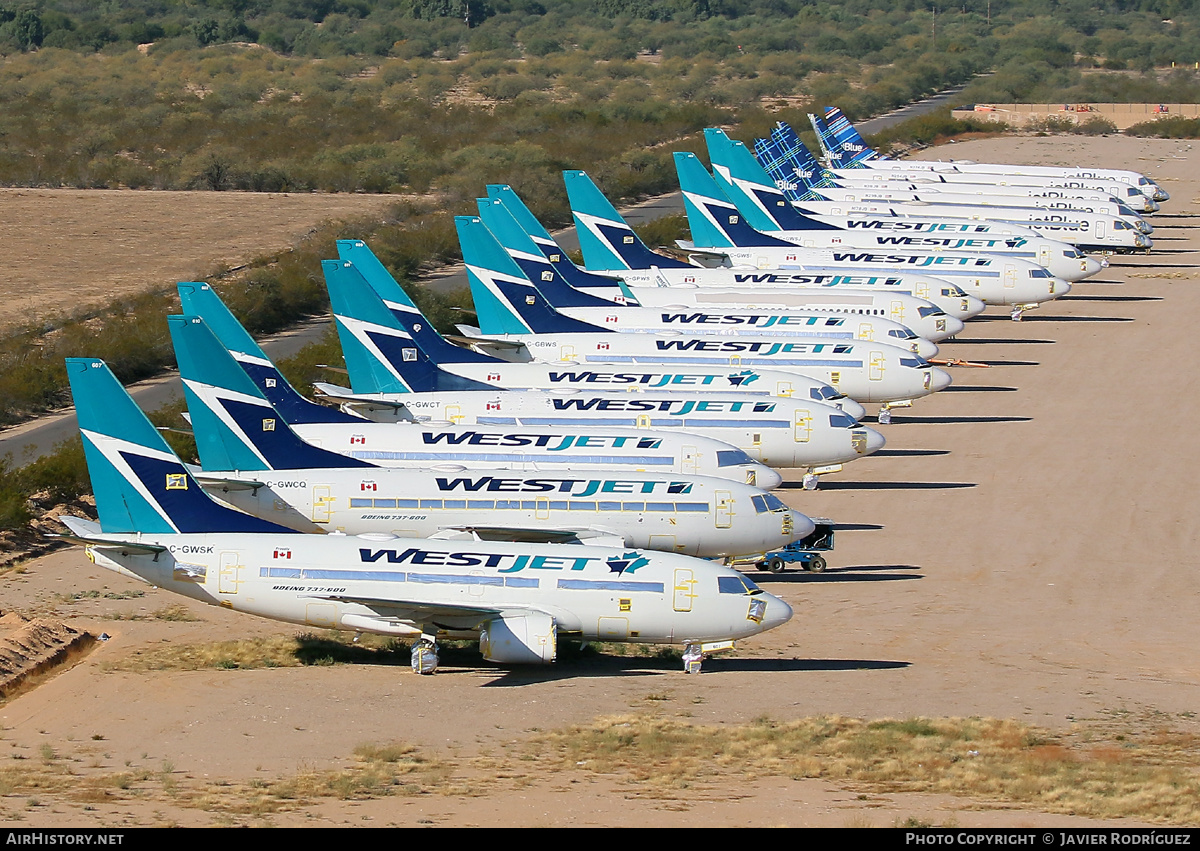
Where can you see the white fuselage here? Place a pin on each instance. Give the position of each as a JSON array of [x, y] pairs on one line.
[[778, 431], [866, 372], [404, 586], [757, 323], [696, 515], [993, 279], [951, 173]]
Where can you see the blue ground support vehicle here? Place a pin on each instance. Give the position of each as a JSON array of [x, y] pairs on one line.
[[805, 551]]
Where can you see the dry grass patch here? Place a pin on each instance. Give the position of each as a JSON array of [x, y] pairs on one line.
[[267, 652], [1153, 778]]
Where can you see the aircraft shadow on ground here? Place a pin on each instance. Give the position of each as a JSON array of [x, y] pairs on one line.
[[1110, 298], [909, 453], [1077, 319], [949, 420], [889, 486], [1004, 340], [858, 573], [763, 665], [857, 527], [976, 388], [666, 664], [1010, 362]]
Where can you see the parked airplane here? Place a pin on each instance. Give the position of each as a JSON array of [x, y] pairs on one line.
[[796, 170], [275, 475], [480, 370], [994, 279], [387, 361], [537, 277], [609, 244], [236, 403], [158, 526], [751, 189], [843, 145]]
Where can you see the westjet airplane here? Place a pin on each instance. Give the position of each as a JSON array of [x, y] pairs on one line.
[[387, 361], [407, 444], [612, 247], [480, 247], [452, 367], [157, 525], [798, 173], [847, 149], [717, 223], [275, 475]]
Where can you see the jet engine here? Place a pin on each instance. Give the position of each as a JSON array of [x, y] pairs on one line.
[[525, 639]]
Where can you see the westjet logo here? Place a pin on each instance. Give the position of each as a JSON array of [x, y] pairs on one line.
[[758, 320], [549, 442], [572, 487], [671, 407], [507, 562]]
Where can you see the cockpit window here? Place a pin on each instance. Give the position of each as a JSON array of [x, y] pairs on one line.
[[825, 393], [736, 584], [917, 363], [1120, 225], [953, 292], [765, 502], [926, 312], [732, 457], [1039, 273], [1073, 253], [774, 503], [842, 421]]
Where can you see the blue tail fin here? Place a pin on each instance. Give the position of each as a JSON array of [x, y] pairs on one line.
[[751, 189], [201, 300], [139, 483], [847, 139], [235, 426], [406, 312], [608, 243], [841, 154], [533, 263], [791, 165], [382, 354], [506, 302], [715, 223]]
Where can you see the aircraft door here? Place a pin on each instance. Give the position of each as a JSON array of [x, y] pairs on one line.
[[684, 591], [735, 360], [322, 503], [877, 364], [691, 460], [475, 589], [229, 574], [643, 421], [921, 290], [541, 509], [784, 388], [1044, 255], [897, 311], [1010, 275], [454, 414], [764, 262], [724, 515], [865, 332], [566, 353], [802, 426]]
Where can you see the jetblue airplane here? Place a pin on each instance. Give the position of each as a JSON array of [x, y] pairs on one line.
[[749, 187], [847, 149], [387, 361], [481, 249], [229, 397], [157, 525], [797, 172]]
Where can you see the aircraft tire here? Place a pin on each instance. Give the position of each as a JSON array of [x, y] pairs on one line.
[[817, 565]]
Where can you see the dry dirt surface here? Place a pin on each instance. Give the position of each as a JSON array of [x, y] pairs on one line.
[[70, 248], [1025, 548]]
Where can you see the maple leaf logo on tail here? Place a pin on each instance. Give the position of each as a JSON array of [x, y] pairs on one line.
[[741, 379]]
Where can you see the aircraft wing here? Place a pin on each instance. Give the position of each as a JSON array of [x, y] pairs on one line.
[[459, 616], [529, 535]]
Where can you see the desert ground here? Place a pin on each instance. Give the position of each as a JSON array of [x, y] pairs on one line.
[[70, 248], [1023, 549]]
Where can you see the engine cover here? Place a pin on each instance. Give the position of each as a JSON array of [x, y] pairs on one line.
[[526, 639]]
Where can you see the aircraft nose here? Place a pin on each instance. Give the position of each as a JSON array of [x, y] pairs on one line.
[[1091, 266], [875, 441], [954, 325], [852, 408], [777, 614], [940, 379], [766, 478], [973, 306], [802, 525], [1059, 287], [924, 348]]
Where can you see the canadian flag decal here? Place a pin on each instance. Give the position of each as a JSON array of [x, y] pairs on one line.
[[282, 552]]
